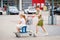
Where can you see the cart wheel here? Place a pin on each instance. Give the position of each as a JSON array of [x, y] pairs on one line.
[[34, 35], [30, 34], [16, 34]]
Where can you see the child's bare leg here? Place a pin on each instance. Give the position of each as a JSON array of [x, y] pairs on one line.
[[43, 29], [36, 29], [18, 30], [46, 33]]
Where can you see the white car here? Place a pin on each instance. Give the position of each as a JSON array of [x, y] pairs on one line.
[[13, 10], [30, 10]]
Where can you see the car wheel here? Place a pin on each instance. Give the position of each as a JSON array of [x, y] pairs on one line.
[[0, 13]]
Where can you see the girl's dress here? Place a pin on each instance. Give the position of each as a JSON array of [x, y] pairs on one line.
[[23, 23], [40, 20]]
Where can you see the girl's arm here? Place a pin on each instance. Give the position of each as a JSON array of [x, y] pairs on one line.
[[19, 22]]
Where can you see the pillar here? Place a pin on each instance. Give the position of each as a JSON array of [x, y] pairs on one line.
[[20, 4], [2, 3]]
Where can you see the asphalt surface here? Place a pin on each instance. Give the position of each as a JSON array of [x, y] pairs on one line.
[[8, 26]]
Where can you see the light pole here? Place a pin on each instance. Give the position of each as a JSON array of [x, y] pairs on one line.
[[52, 18], [20, 5]]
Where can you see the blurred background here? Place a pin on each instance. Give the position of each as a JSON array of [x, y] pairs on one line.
[[9, 15]]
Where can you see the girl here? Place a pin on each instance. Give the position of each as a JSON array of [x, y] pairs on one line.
[[21, 22], [40, 20]]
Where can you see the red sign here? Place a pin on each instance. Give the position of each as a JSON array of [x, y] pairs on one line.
[[38, 3]]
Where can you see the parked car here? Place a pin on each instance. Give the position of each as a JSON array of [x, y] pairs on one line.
[[1, 11], [12, 10], [57, 11], [30, 10]]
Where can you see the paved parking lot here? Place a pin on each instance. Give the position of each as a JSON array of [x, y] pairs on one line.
[[8, 26]]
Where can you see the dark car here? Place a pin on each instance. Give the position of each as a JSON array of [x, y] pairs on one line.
[[57, 11]]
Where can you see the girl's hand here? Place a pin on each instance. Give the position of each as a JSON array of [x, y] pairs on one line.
[[39, 16], [36, 15]]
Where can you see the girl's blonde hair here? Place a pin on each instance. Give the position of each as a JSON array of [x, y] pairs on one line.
[[23, 16]]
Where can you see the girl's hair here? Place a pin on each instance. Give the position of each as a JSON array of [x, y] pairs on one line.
[[23, 16], [37, 7]]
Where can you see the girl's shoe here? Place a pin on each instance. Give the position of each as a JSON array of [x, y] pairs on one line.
[[46, 33]]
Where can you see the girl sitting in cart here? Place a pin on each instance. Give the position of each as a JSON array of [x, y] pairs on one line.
[[21, 22]]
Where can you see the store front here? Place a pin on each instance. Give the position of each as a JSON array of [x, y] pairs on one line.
[[40, 3], [21, 4], [5, 3], [26, 3]]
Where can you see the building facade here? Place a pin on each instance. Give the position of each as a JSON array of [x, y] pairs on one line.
[[21, 4], [56, 2], [9, 3]]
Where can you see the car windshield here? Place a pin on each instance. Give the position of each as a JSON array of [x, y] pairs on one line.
[[31, 8], [58, 9], [13, 8]]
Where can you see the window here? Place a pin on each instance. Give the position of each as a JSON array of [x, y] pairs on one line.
[[5, 2], [26, 3], [8, 2], [42, 4]]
